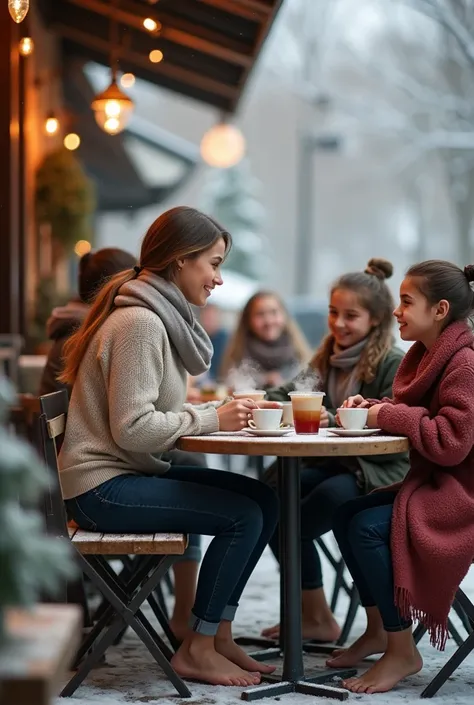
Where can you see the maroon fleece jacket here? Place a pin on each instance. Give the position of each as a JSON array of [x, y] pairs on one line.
[[432, 536]]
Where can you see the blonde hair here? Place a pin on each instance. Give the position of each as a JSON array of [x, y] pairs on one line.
[[180, 232], [235, 350], [375, 297]]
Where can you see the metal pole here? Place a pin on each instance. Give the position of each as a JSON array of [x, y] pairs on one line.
[[293, 669], [304, 218]]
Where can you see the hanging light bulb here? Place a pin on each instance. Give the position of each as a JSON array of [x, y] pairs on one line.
[[112, 109], [26, 46], [51, 125], [223, 146], [18, 9], [155, 56]]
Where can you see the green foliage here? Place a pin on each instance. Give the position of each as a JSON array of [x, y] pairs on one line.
[[65, 198], [46, 298], [31, 563]]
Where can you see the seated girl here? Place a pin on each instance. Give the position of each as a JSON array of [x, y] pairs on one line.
[[409, 546], [357, 356], [267, 347]]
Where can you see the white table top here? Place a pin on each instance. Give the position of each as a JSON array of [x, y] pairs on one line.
[[293, 445]]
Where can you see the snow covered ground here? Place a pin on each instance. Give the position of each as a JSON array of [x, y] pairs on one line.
[[132, 677]]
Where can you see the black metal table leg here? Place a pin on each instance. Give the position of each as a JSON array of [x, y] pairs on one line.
[[293, 677]]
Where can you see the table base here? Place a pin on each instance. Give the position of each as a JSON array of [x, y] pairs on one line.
[[310, 686]]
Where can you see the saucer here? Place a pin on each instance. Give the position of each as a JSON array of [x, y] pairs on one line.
[[354, 432], [274, 432]]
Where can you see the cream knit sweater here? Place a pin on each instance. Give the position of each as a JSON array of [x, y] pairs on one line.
[[127, 404]]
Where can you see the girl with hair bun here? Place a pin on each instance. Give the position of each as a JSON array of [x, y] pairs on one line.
[[357, 356], [409, 547]]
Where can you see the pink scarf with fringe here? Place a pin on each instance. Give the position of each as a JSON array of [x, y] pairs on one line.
[[432, 535]]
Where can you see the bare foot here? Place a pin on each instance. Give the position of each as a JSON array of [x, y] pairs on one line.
[[386, 673], [233, 652], [327, 630], [179, 628], [366, 645], [205, 664]]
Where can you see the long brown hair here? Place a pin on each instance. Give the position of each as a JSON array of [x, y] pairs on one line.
[[235, 350], [179, 233], [374, 295]]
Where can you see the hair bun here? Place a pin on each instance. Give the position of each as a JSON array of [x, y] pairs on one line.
[[380, 268], [469, 272]]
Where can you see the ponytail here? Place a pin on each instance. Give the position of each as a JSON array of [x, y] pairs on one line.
[[75, 348]]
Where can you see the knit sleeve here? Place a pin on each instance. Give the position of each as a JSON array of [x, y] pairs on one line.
[[447, 438], [135, 376]]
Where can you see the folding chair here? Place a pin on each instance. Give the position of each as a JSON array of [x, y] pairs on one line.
[[154, 555]]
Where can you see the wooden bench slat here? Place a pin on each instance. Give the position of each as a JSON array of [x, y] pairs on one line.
[[133, 544]]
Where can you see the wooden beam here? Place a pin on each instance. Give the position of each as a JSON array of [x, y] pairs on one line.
[[248, 9], [164, 68], [9, 174], [168, 32]]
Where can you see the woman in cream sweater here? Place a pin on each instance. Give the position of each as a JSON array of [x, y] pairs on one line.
[[128, 366]]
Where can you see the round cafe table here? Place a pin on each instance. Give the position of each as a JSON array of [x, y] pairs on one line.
[[288, 449]]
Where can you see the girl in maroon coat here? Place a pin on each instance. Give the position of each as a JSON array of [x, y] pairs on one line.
[[409, 546]]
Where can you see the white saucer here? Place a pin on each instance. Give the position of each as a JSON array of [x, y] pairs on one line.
[[354, 432], [275, 432]]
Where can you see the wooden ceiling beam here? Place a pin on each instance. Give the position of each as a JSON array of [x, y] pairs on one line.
[[164, 68], [247, 9], [172, 34]]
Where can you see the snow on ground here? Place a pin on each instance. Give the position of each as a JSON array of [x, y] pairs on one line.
[[131, 676]]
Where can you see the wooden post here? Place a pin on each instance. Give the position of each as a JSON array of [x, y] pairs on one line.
[[10, 271]]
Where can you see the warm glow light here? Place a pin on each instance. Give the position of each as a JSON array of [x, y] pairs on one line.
[[112, 109], [151, 25], [18, 9], [26, 46], [51, 125], [82, 247], [155, 56], [127, 80], [72, 141], [223, 146]]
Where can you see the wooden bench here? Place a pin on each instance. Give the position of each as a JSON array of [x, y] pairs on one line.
[[92, 542]]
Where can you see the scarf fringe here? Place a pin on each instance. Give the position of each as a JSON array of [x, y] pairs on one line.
[[438, 631]]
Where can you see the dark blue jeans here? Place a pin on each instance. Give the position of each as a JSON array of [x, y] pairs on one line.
[[323, 490], [241, 513], [362, 530]]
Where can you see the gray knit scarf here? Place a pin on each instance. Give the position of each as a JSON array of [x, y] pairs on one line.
[[342, 377], [169, 303]]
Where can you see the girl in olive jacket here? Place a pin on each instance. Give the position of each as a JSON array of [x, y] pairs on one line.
[[358, 356]]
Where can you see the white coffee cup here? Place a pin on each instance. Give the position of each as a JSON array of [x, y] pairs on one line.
[[353, 419], [287, 413], [266, 419]]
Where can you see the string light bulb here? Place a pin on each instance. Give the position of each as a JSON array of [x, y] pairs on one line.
[[51, 125], [223, 146], [18, 9], [26, 46], [155, 56], [112, 109], [127, 80], [82, 247], [151, 25], [72, 141]]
